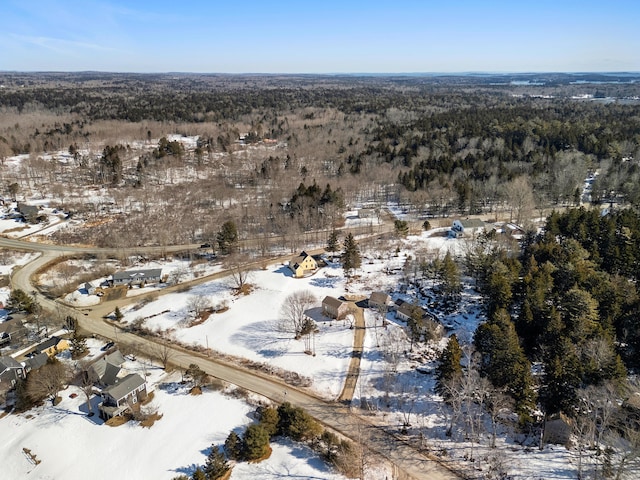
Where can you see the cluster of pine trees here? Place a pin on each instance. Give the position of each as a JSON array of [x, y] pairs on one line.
[[253, 445], [569, 303]]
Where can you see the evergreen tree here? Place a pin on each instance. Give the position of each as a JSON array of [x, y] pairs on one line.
[[332, 243], [449, 367], [255, 442], [296, 424], [351, 258], [227, 237], [21, 300], [401, 227], [269, 420], [503, 360], [216, 465], [199, 474], [233, 446], [449, 276], [78, 346], [118, 314]]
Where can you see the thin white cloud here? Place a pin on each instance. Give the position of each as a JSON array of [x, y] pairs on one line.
[[60, 45]]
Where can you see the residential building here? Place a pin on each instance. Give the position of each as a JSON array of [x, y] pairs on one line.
[[12, 330], [52, 346], [303, 264], [379, 300], [137, 277], [125, 394], [334, 308], [105, 370], [10, 372], [469, 227]]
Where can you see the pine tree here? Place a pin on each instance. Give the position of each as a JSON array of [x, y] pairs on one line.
[[118, 314], [233, 446], [401, 227], [78, 346], [332, 243], [255, 442], [269, 420], [449, 276], [216, 465], [351, 258], [503, 360], [449, 366], [199, 474], [227, 237]]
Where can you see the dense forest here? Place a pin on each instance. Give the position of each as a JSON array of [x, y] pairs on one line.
[[569, 303], [491, 145]]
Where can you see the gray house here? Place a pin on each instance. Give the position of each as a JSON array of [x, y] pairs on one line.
[[123, 395], [10, 372], [137, 277], [29, 212], [469, 227], [105, 370], [334, 308], [379, 300], [35, 362], [11, 330]]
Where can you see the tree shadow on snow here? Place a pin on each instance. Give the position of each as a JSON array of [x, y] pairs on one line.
[[324, 282], [262, 338]]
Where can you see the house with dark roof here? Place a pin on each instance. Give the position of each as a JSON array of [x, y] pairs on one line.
[[137, 277], [124, 395], [334, 308], [11, 330], [303, 264], [35, 362], [29, 212], [10, 372], [379, 300], [105, 370], [52, 346]]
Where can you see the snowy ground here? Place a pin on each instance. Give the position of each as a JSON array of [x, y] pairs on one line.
[[249, 327], [175, 444], [395, 385]]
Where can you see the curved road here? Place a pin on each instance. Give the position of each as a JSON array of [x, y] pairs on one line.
[[409, 461]]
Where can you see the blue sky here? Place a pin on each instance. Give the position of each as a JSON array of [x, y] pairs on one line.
[[320, 36]]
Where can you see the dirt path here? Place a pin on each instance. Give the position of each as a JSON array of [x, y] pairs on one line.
[[353, 372]]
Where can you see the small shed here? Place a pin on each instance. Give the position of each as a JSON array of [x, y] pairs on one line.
[[557, 429]]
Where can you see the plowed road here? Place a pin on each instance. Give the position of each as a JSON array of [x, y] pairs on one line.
[[408, 462]]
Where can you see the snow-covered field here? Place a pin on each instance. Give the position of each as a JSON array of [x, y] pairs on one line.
[[68, 444], [390, 385]]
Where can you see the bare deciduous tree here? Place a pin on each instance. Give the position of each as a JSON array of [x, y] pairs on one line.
[[197, 304], [163, 352], [292, 312], [47, 381]]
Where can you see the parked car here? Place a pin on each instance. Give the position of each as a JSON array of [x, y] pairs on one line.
[[205, 245], [107, 346]]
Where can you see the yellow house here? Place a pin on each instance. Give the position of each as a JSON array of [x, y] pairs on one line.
[[53, 346], [303, 264]]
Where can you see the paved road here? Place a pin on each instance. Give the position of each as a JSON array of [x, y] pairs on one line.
[[409, 462]]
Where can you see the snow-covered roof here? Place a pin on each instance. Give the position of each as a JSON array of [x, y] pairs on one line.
[[138, 274]]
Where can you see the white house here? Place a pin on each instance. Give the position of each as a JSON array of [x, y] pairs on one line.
[[469, 227]]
